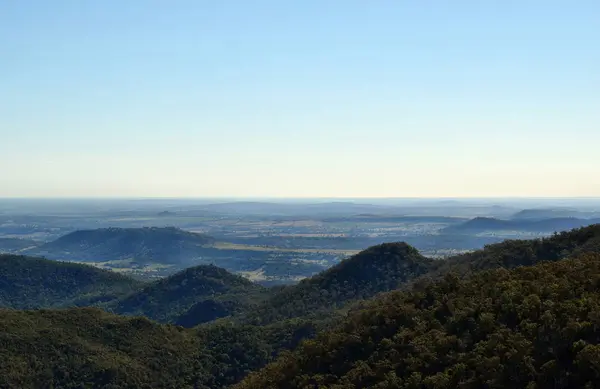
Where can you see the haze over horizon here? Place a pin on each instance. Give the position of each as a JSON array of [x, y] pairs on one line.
[[346, 99]]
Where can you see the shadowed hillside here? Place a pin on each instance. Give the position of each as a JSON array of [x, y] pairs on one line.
[[209, 291], [27, 282], [376, 269]]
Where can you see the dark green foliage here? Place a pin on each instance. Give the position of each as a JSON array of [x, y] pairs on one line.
[[27, 282], [208, 310], [167, 245], [87, 348], [532, 327], [378, 269], [169, 298], [513, 253]]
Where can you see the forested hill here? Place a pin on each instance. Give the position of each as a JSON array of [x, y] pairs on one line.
[[167, 245], [513, 253], [374, 270], [27, 282], [216, 292], [89, 348], [531, 327]]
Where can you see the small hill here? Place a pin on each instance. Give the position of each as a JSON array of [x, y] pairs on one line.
[[484, 224], [377, 269], [166, 245], [27, 282], [200, 294], [531, 327]]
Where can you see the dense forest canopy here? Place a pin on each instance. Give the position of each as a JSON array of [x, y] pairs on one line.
[[532, 327], [211, 288], [27, 282]]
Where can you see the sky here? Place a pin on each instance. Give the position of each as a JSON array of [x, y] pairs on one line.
[[299, 98]]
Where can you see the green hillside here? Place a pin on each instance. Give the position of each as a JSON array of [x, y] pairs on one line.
[[87, 348], [377, 269], [27, 282], [532, 327], [201, 293], [512, 253]]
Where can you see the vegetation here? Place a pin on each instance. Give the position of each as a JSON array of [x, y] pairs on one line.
[[533, 327], [481, 224], [27, 282], [378, 269], [513, 253], [88, 348], [201, 293], [463, 322], [166, 245]]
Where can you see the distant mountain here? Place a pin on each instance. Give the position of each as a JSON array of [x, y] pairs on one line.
[[374, 270], [14, 245], [551, 213], [532, 327], [166, 245], [27, 282], [483, 224], [190, 297]]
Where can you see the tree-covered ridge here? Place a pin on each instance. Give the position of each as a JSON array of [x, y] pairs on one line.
[[149, 244], [531, 327], [377, 269], [217, 292], [27, 282], [513, 253]]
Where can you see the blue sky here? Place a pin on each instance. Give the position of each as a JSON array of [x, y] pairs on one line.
[[299, 98]]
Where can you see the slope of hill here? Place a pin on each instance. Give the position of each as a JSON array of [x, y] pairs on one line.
[[14, 245], [513, 253], [483, 224], [532, 327], [200, 294], [86, 347], [27, 282], [377, 269], [167, 245]]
